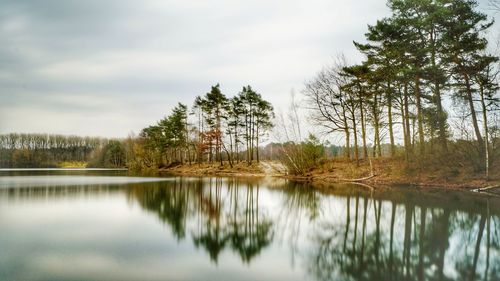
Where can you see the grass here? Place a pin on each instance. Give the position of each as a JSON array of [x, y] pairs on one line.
[[241, 168], [72, 164], [426, 172]]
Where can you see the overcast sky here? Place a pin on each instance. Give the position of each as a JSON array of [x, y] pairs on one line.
[[106, 68]]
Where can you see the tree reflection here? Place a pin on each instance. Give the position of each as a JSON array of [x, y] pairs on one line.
[[366, 236], [249, 231], [211, 235], [336, 233], [226, 212], [169, 204], [408, 240]]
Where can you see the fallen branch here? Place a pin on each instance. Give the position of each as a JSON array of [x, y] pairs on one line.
[[364, 185], [358, 180], [353, 181], [484, 189]]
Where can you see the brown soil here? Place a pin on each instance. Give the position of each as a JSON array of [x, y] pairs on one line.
[[215, 169], [386, 172]]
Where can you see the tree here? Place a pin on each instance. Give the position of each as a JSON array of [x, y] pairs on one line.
[[328, 103], [217, 103], [463, 43], [114, 154], [234, 125], [263, 121], [257, 116], [357, 89], [486, 80]]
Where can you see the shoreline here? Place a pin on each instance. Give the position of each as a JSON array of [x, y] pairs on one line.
[[257, 170]]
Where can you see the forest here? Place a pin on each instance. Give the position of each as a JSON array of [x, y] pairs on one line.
[[50, 151], [427, 60]]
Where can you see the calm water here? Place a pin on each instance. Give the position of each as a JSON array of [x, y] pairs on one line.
[[103, 225]]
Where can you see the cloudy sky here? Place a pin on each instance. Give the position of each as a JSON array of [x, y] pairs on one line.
[[109, 67]]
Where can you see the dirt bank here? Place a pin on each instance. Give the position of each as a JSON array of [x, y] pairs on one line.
[[385, 172]]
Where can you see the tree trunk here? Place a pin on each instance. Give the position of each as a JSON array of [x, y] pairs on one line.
[[257, 144], [247, 137], [347, 152], [363, 130], [485, 125], [403, 124], [437, 98], [376, 116], [354, 130], [420, 118], [231, 147], [236, 143], [229, 158], [252, 137], [389, 116], [407, 123], [473, 115]]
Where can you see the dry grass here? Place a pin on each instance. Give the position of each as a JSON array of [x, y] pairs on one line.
[[72, 164], [438, 172], [238, 169], [398, 171]]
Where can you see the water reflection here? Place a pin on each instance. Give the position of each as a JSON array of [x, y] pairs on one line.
[[416, 240], [226, 215], [378, 238], [339, 233]]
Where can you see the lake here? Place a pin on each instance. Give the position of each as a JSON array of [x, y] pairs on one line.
[[106, 225]]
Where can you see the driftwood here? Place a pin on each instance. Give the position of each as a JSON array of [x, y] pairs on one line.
[[353, 181], [335, 179], [485, 189], [358, 180], [362, 179], [364, 185]]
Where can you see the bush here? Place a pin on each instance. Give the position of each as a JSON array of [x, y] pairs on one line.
[[301, 158]]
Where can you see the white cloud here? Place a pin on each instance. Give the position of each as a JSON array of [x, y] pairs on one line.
[[108, 67]]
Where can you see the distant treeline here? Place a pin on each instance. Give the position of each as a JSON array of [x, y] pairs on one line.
[[45, 150]]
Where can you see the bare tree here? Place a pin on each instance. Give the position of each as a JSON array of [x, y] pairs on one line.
[[328, 102]]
